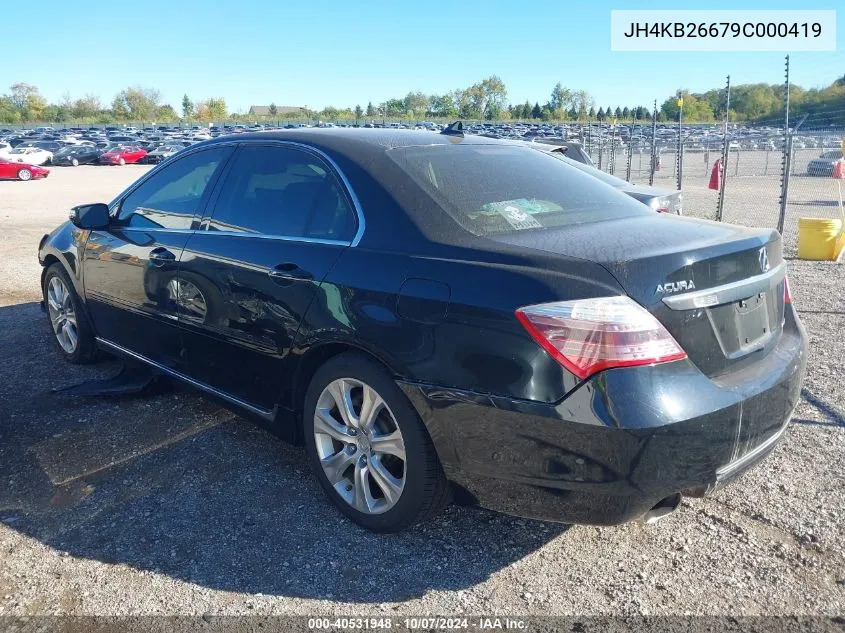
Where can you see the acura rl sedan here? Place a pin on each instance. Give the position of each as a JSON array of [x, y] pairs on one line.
[[437, 316]]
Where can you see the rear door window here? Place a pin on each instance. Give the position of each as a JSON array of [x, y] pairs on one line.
[[282, 191]]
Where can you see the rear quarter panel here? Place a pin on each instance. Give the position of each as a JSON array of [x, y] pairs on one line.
[[464, 337]]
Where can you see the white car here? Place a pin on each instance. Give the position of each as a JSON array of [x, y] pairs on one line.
[[29, 155], [5, 148]]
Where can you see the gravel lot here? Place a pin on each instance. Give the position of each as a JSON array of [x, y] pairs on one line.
[[167, 504]]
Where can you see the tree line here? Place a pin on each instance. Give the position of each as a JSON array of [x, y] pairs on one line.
[[484, 100]]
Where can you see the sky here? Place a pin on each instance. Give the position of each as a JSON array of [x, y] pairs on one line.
[[342, 53]]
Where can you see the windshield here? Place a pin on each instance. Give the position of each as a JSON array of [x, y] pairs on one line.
[[504, 188]]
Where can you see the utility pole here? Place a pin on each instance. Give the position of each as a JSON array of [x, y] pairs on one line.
[[786, 161], [680, 139], [724, 170], [653, 145]]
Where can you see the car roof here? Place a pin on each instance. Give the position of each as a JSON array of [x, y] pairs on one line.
[[361, 141]]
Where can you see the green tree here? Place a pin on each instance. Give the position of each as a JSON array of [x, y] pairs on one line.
[[626, 113], [20, 95], [217, 108], [582, 102], [165, 113], [86, 107], [572, 113], [187, 107], [526, 109], [371, 111], [359, 111], [118, 109], [536, 111], [444, 106], [273, 109], [618, 112], [8, 113], [415, 104], [560, 98], [600, 114], [213, 109], [136, 103], [592, 112]]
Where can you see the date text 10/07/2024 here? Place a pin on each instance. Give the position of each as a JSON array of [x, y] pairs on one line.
[[416, 623]]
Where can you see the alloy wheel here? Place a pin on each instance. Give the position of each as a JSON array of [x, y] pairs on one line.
[[25, 174], [62, 315], [360, 445]]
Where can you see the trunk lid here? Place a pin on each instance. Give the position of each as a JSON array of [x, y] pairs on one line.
[[717, 288]]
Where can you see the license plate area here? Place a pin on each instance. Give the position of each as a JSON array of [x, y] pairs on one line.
[[746, 325]]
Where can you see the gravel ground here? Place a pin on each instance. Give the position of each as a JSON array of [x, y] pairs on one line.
[[167, 504]]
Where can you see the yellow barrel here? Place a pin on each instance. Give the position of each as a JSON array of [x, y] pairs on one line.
[[818, 238]]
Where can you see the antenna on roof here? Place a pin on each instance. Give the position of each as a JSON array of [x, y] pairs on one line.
[[454, 129]]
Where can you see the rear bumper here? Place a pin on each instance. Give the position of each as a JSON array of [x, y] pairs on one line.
[[620, 442]]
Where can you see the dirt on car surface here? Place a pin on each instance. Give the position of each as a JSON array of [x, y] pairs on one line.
[[165, 503]]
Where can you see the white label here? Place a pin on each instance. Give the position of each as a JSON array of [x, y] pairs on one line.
[[752, 30]]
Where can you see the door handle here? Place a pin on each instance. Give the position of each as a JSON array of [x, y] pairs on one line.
[[289, 272], [161, 256]]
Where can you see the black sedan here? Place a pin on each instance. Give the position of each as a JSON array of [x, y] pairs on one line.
[[75, 155], [160, 153], [431, 314]]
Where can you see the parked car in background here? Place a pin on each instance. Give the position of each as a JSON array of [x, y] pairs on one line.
[[162, 152], [50, 146], [77, 155], [5, 148], [21, 171], [655, 198], [823, 165], [431, 308], [29, 155], [122, 155]]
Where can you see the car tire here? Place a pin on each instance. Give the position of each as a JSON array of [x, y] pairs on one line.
[[75, 162], [24, 174], [424, 490], [121, 162], [67, 318]]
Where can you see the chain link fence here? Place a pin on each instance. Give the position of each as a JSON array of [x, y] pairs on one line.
[[761, 163]]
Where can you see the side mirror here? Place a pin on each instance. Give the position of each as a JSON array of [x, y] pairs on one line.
[[90, 216]]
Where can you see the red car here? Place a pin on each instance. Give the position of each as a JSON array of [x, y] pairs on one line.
[[20, 171], [123, 155]]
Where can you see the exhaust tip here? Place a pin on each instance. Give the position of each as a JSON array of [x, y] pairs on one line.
[[662, 508]]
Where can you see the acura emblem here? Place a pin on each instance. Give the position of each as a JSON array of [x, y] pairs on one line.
[[764, 259]]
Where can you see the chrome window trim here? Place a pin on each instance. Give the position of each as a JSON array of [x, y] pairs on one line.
[[263, 413], [728, 292], [270, 236], [139, 229]]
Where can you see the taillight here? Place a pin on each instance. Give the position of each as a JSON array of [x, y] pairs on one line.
[[589, 335], [787, 295]]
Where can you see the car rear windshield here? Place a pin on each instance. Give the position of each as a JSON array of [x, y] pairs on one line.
[[505, 188]]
